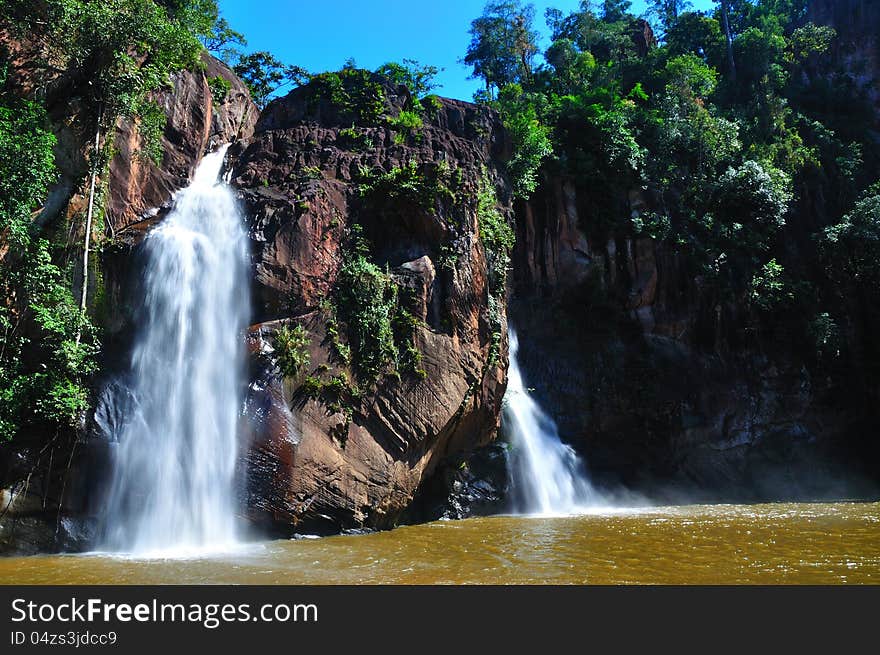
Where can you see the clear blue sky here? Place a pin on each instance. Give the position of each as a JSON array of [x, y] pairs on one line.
[[321, 35]]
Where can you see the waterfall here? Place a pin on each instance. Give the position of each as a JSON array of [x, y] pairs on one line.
[[175, 445], [547, 476]]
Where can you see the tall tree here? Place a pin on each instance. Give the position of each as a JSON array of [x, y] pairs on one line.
[[503, 44], [667, 11], [419, 79], [264, 74], [615, 10], [725, 24]]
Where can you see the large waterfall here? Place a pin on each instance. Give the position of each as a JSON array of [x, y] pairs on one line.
[[175, 435], [548, 477]]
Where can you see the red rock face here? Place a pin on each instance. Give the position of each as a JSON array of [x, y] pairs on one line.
[[316, 465], [196, 123]]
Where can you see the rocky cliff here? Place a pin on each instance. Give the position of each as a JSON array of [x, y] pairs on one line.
[[662, 385], [362, 225], [197, 121]]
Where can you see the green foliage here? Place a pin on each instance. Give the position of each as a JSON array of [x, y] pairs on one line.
[[750, 204], [292, 349], [572, 68], [311, 387], [851, 248], [666, 12], [151, 127], [379, 330], [44, 368], [615, 10], [406, 120], [496, 234], [341, 351], [431, 104], [652, 224], [503, 44], [220, 88], [28, 168], [424, 187], [531, 139], [366, 298], [264, 74], [809, 40], [124, 48], [415, 77], [695, 34], [759, 57], [596, 139], [825, 335], [689, 76], [222, 39], [769, 289], [498, 239], [406, 123], [353, 139], [729, 231], [404, 326], [743, 142], [357, 94]]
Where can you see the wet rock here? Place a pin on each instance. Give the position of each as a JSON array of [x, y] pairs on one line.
[[465, 485], [196, 122]]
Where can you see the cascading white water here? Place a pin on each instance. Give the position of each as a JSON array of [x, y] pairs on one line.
[[548, 477], [176, 447]]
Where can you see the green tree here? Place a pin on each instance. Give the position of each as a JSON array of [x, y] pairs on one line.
[[224, 40], [531, 139], [666, 12], [503, 44], [615, 10], [749, 206], [420, 80], [696, 34], [852, 247], [112, 55], [47, 345], [264, 75], [292, 349]]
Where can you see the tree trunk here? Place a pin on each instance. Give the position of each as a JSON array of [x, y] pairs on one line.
[[725, 19], [87, 239]]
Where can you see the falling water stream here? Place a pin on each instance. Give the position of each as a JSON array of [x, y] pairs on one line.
[[176, 447], [548, 476]]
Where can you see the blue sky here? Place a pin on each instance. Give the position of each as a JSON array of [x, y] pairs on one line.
[[320, 36]]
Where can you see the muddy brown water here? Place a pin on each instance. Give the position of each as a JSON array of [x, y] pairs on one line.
[[796, 543]]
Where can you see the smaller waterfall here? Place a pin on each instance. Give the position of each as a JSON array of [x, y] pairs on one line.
[[548, 477]]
